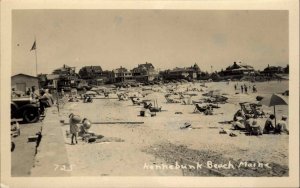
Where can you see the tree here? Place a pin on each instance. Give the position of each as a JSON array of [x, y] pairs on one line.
[[286, 69]]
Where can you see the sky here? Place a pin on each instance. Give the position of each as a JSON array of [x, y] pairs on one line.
[[213, 39]]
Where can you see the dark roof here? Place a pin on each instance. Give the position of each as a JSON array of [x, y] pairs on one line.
[[120, 70], [147, 65], [184, 69], [95, 68], [63, 68], [239, 66], [21, 74]]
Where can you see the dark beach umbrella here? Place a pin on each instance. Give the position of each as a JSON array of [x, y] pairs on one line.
[[273, 100]]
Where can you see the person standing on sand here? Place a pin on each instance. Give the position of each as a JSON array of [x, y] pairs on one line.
[[73, 120], [254, 89], [246, 89], [242, 89], [235, 86]]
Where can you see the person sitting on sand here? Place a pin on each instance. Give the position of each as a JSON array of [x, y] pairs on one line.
[[84, 128], [147, 105], [87, 99], [239, 113], [248, 122], [255, 128], [281, 126], [269, 127], [238, 124], [208, 111]]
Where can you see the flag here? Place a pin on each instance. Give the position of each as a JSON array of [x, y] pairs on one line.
[[33, 46]]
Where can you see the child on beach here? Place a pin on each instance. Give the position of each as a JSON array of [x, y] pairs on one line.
[[73, 120]]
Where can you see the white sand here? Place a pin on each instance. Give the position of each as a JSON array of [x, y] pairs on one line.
[[128, 158]]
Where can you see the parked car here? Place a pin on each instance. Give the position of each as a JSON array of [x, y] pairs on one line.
[[26, 108]]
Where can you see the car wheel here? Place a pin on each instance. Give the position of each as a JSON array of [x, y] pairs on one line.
[[13, 112], [31, 115]]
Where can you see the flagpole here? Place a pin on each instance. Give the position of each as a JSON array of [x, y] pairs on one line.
[[35, 52]]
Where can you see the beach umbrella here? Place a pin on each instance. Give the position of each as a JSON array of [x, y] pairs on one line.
[[91, 93], [273, 100], [191, 93], [214, 92]]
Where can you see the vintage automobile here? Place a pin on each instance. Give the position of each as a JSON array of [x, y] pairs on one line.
[[26, 108]]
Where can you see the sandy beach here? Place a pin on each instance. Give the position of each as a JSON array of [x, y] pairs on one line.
[[131, 149]]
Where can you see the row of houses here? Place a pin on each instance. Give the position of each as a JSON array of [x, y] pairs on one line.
[[240, 69], [94, 75], [66, 77]]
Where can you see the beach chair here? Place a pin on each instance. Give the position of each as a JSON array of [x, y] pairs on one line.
[[246, 108], [199, 108], [220, 99], [257, 112], [170, 100], [135, 100], [155, 109]]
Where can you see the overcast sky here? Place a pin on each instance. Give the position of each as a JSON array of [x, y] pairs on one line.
[[165, 38]]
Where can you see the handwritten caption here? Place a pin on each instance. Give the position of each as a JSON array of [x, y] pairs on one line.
[[63, 167], [208, 164]]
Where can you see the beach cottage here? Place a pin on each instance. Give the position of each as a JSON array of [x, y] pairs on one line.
[[21, 82], [144, 72]]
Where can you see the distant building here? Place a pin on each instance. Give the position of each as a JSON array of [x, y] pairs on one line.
[[144, 72], [67, 77], [90, 72], [65, 70], [52, 80], [192, 72], [93, 75], [237, 69], [271, 70], [22, 82], [42, 80], [120, 75]]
